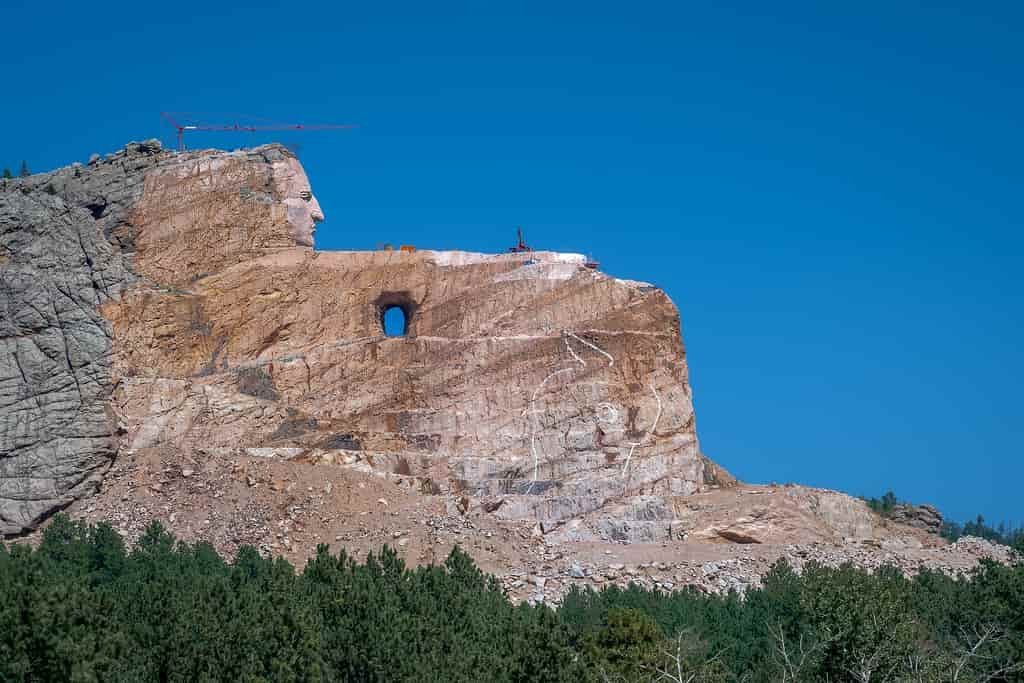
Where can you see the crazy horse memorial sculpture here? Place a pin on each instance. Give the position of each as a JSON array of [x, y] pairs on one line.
[[174, 301]]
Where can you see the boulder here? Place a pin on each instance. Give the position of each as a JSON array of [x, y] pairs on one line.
[[924, 517]]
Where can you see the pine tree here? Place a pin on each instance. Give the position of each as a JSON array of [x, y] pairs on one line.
[[7, 173], [24, 169]]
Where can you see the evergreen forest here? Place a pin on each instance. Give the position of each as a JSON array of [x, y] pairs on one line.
[[81, 607]]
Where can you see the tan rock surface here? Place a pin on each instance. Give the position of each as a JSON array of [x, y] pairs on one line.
[[526, 382], [537, 412]]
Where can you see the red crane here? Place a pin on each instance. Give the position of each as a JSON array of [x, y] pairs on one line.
[[521, 246], [173, 119]]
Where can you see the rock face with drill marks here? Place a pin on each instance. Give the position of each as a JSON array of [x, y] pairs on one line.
[[174, 301]]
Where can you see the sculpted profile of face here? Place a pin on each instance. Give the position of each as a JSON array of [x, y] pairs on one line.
[[303, 209]]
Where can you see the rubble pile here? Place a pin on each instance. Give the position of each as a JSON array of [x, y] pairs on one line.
[[548, 582]]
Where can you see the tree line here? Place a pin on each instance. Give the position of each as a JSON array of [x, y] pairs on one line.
[[1002, 533], [23, 172], [81, 607]]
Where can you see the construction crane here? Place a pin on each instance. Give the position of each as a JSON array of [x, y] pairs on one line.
[[521, 246], [173, 119]]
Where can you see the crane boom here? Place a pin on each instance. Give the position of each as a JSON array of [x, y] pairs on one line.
[[172, 119]]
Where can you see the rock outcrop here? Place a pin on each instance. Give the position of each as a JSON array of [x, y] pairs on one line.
[[163, 302], [924, 517], [59, 262], [171, 341]]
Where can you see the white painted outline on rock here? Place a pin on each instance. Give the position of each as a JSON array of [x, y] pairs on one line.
[[532, 411], [573, 353], [533, 424], [611, 361], [611, 413], [649, 432]]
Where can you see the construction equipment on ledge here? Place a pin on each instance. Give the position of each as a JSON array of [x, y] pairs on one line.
[[176, 118], [591, 263], [521, 247]]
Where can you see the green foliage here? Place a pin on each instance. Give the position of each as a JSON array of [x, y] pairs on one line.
[[80, 607], [24, 172], [884, 505], [7, 173], [861, 619], [1002, 534], [837, 624], [624, 643]]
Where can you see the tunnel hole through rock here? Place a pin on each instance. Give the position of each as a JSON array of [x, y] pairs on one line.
[[395, 311], [394, 322]]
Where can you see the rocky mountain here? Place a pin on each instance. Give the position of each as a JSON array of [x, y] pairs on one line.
[[174, 301], [173, 347]]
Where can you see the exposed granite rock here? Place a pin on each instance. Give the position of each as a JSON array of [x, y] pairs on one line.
[[59, 262], [165, 307], [527, 383], [689, 566], [156, 300], [741, 514], [923, 517]]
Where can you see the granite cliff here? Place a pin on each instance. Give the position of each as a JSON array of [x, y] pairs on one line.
[[156, 300], [172, 347], [60, 260]]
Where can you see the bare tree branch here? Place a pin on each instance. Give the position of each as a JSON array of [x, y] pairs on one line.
[[794, 658]]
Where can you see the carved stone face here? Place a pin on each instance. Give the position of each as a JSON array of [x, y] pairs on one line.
[[303, 210]]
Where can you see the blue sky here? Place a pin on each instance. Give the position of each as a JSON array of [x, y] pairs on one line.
[[830, 192]]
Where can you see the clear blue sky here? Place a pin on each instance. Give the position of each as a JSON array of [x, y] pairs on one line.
[[831, 195]]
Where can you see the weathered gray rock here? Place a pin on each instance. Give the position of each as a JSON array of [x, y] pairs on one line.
[[61, 244], [923, 517]]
